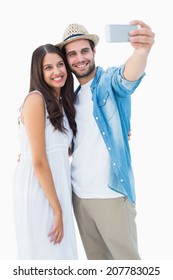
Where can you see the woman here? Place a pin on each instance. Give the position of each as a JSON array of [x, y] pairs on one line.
[[42, 188]]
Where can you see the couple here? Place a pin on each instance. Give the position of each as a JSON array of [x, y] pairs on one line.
[[93, 124]]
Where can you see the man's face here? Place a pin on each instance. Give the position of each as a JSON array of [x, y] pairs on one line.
[[80, 58]]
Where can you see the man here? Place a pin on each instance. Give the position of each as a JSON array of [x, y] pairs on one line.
[[102, 176]]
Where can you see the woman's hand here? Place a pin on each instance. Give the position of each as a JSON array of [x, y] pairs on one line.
[[56, 233]]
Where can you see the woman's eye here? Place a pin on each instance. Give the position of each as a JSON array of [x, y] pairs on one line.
[[47, 67], [60, 64]]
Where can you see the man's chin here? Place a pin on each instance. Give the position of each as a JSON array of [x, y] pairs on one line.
[[82, 73]]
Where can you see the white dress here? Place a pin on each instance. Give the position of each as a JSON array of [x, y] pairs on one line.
[[33, 215]]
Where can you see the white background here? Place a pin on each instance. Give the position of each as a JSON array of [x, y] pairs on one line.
[[24, 26]]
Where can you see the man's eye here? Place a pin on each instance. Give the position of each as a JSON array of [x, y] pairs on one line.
[[71, 54], [85, 51]]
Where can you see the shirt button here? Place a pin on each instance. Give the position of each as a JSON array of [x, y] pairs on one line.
[[114, 163], [96, 118], [103, 133], [109, 148], [121, 180]]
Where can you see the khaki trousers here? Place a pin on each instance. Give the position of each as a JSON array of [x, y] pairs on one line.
[[107, 228]]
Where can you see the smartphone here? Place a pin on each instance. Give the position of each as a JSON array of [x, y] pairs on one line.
[[119, 32]]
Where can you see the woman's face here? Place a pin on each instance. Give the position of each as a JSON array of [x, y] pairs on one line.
[[54, 71]]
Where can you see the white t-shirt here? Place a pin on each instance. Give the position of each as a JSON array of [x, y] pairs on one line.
[[90, 161]]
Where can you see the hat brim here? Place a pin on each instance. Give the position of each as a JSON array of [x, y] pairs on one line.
[[91, 37]]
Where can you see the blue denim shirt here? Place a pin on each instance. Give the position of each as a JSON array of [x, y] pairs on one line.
[[111, 95]]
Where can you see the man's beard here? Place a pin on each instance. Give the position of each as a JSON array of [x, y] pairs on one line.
[[89, 71]]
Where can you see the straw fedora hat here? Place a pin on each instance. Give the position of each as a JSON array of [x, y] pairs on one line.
[[75, 32]]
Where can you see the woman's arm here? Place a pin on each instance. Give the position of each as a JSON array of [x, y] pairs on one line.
[[33, 117]]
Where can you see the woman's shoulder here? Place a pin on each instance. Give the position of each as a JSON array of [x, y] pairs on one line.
[[32, 100], [33, 97]]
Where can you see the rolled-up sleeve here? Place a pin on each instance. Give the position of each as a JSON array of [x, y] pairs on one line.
[[130, 85]]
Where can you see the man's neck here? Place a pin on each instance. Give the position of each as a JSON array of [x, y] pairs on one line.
[[84, 80]]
